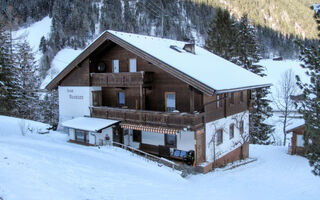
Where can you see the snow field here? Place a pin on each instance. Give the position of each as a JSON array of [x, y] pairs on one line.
[[47, 167]]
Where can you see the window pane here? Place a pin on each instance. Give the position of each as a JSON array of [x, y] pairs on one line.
[[241, 127], [136, 136], [231, 131], [218, 101], [171, 102], [133, 65], [300, 141], [170, 140], [115, 66], [219, 136], [121, 98], [79, 135]]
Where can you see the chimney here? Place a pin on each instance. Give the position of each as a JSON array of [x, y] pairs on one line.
[[190, 47]]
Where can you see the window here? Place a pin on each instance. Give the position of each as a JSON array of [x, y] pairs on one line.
[[170, 101], [170, 140], [218, 101], [133, 65], [219, 135], [231, 131], [300, 141], [121, 98], [81, 136], [115, 66], [136, 137], [231, 97], [241, 127]]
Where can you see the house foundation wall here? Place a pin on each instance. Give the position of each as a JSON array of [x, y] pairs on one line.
[[228, 158]]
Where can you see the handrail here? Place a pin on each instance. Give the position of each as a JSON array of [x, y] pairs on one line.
[[146, 155], [152, 118]]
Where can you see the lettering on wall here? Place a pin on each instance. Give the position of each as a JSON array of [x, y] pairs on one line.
[[74, 96]]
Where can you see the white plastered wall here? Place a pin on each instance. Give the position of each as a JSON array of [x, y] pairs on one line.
[[228, 144], [95, 138], [152, 138], [74, 101], [186, 141]]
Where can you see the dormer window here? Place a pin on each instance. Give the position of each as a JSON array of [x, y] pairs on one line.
[[115, 66]]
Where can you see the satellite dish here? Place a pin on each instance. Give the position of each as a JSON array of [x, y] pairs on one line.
[[101, 67]]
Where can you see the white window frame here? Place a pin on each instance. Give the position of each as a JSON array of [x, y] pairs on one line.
[[115, 66], [132, 68]]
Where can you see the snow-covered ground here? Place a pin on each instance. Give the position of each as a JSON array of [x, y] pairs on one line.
[[274, 72], [47, 167], [33, 34], [60, 61]]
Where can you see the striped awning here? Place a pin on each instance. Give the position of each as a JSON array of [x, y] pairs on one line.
[[151, 129]]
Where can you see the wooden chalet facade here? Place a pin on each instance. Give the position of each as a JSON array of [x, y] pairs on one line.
[[140, 82], [297, 140]]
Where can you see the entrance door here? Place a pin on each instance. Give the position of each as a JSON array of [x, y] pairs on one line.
[[117, 135]]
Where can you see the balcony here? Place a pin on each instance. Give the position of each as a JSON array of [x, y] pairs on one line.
[[123, 79], [151, 118]]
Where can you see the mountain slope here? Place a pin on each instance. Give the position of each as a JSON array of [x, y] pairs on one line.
[[285, 16]]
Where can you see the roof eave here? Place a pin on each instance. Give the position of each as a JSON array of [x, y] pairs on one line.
[[243, 88]]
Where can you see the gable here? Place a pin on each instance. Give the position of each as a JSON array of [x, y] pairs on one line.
[[204, 71]]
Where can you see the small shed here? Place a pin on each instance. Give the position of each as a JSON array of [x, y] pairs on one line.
[[297, 140], [90, 131]]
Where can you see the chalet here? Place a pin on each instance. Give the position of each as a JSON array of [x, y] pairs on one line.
[[162, 96], [297, 140]]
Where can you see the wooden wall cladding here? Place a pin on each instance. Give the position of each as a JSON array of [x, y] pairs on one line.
[[226, 107], [79, 76], [162, 82]]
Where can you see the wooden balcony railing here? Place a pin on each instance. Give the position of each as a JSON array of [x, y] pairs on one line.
[[122, 79], [151, 118]]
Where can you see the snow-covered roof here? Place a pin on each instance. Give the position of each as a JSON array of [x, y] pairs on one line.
[[204, 66], [89, 123], [203, 70]]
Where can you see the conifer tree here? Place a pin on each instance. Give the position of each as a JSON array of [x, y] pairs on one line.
[[8, 74], [221, 35], [310, 107], [27, 102], [247, 56]]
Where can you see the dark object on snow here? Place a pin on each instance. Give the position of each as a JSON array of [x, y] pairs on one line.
[[53, 127], [277, 58], [190, 157]]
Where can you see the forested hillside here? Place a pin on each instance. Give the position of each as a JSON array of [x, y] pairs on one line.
[[77, 22]]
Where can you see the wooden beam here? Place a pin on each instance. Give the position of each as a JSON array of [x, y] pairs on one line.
[[191, 95]]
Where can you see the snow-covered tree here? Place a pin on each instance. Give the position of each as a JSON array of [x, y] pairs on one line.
[[247, 56], [310, 107], [49, 106], [8, 76], [27, 98]]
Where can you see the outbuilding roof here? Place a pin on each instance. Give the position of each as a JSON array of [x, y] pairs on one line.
[[202, 69], [89, 123]]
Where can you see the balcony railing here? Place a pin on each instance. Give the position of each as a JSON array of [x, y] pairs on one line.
[[151, 118], [122, 79]]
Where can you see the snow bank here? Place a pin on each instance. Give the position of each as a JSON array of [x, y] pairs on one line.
[[15, 126], [60, 61]]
